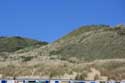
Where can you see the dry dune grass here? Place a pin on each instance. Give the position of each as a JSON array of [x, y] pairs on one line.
[[91, 52], [102, 69]]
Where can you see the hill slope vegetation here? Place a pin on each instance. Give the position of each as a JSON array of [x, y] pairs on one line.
[[89, 53], [11, 44]]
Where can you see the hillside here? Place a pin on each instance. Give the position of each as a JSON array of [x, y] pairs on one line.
[[89, 52], [11, 44], [93, 42]]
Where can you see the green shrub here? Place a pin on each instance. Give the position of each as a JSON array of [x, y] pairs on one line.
[[26, 58]]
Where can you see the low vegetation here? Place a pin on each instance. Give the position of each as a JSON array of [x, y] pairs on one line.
[[88, 53], [11, 44]]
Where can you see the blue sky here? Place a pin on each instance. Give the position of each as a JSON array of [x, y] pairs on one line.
[[49, 20]]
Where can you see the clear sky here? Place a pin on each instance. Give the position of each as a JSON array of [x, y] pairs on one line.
[[49, 20]]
